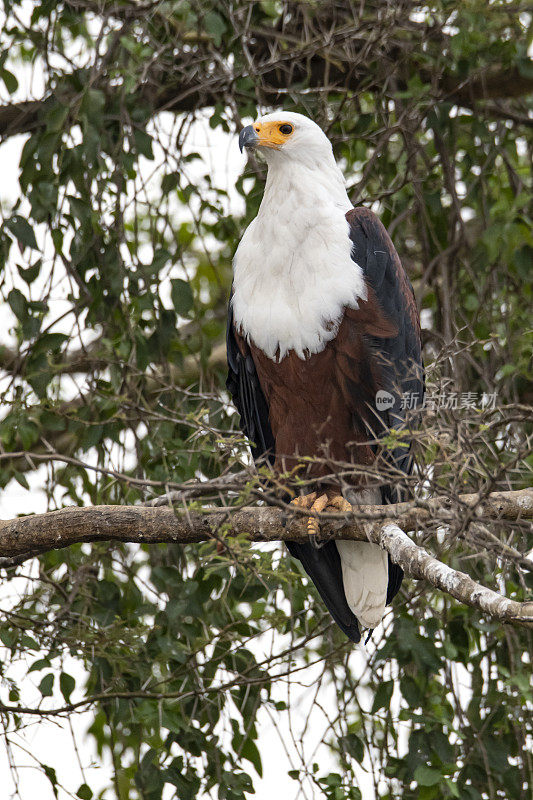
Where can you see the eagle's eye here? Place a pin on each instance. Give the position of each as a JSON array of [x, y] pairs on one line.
[[285, 129]]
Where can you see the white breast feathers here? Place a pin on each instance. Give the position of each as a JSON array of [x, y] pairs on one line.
[[293, 271]]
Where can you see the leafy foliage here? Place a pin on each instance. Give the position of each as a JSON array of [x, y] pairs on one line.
[[115, 268]]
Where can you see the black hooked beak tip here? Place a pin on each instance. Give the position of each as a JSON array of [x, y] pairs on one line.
[[248, 137]]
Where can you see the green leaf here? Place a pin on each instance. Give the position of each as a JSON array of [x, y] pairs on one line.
[[66, 685], [7, 637], [46, 686], [31, 273], [84, 792], [410, 690], [28, 642], [52, 777], [251, 753], [10, 81], [271, 8], [41, 663], [161, 256], [383, 696], [427, 776], [18, 304], [173, 721], [21, 479], [525, 67], [22, 230], [39, 373], [182, 297], [143, 143], [49, 343], [353, 745], [524, 260], [94, 102], [28, 433], [454, 791], [215, 26], [169, 182]]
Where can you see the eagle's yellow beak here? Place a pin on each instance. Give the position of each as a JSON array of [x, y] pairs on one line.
[[265, 134]]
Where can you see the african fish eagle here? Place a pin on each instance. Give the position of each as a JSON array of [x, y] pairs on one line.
[[322, 317]]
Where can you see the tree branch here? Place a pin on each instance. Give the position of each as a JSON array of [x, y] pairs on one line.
[[338, 66], [416, 562], [82, 360], [22, 117], [25, 537]]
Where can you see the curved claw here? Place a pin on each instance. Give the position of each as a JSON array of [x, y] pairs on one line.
[[302, 501], [313, 541], [313, 525]]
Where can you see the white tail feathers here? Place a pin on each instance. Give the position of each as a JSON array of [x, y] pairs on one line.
[[365, 573]]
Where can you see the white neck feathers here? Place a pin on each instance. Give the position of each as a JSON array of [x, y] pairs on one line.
[[293, 271]]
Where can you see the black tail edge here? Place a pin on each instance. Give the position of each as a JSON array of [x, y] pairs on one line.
[[324, 568]]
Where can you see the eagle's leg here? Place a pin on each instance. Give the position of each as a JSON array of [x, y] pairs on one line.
[[313, 526], [340, 504], [312, 503], [304, 500], [335, 503], [317, 505]]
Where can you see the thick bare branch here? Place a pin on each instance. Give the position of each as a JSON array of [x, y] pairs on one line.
[[337, 66], [21, 538], [418, 563], [24, 117]]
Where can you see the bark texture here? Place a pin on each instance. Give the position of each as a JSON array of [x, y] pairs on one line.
[[25, 537]]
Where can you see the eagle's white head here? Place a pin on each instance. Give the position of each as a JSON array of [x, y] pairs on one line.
[[299, 156], [284, 135]]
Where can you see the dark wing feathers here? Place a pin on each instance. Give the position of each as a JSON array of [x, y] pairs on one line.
[[243, 385], [401, 370], [400, 356]]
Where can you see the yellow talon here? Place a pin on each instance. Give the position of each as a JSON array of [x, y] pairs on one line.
[[317, 505], [313, 525], [340, 504], [304, 501]]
